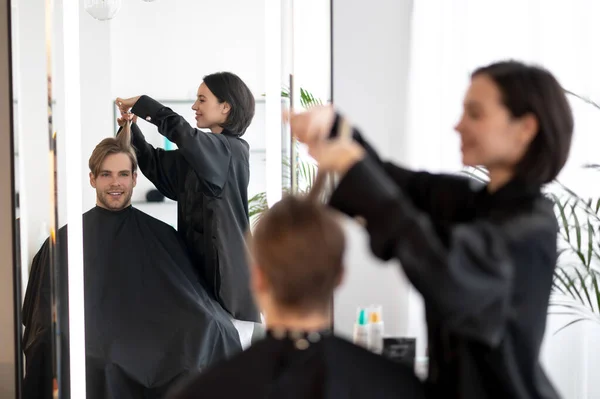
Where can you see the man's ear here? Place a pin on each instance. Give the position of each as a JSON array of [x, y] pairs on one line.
[[258, 279], [134, 178], [92, 180]]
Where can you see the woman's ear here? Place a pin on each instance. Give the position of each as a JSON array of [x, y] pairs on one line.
[[529, 128], [226, 108]]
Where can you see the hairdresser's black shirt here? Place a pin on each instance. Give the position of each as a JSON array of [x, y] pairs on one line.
[[208, 176], [304, 366], [483, 262]]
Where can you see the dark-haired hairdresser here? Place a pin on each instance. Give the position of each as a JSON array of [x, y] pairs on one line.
[[208, 176], [483, 259]]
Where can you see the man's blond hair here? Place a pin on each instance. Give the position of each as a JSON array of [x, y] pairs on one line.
[[121, 144]]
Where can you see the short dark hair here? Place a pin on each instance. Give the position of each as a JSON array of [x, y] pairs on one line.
[[228, 87], [528, 89], [299, 245]]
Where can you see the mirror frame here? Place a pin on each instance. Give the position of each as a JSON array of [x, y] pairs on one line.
[[11, 364]]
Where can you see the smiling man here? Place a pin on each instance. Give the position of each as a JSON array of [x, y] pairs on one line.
[[113, 175], [148, 318]]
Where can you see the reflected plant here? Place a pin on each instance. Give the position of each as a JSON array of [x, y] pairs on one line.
[[307, 170], [307, 99], [307, 173]]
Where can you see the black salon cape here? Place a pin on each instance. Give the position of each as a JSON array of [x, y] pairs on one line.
[[483, 262], [208, 176], [148, 318], [331, 368]]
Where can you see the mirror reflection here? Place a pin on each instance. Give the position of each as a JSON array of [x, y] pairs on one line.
[[174, 140]]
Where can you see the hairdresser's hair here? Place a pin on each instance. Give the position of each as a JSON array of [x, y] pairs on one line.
[[228, 87], [299, 246], [528, 89], [121, 144]]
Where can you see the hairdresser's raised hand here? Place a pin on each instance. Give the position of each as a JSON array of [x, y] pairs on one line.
[[125, 104], [337, 155], [126, 116], [312, 126]]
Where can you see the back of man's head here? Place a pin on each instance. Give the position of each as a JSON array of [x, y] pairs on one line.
[[298, 247]]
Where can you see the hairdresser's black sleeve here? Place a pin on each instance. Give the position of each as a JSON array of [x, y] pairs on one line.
[[446, 198], [469, 281], [207, 153], [158, 165]]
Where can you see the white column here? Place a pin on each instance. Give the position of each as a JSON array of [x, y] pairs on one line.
[[66, 53], [370, 61], [273, 88], [32, 125]]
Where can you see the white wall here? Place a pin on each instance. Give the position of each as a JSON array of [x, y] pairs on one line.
[[96, 94], [312, 47], [164, 48], [32, 124], [370, 52]]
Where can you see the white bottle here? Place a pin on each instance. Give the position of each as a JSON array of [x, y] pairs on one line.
[[376, 329], [361, 329]]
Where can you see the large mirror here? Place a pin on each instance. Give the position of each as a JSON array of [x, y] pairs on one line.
[[132, 214]]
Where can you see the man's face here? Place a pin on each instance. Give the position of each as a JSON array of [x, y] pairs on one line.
[[114, 183]]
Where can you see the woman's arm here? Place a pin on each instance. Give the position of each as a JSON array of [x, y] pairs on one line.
[[469, 282], [158, 165], [442, 196], [207, 153]]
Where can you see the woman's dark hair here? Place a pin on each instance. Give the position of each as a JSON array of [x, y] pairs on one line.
[[228, 87], [528, 89]]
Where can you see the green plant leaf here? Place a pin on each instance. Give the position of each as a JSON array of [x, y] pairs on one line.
[[577, 228], [568, 284], [590, 234], [563, 218], [571, 323], [583, 287], [582, 98], [595, 284]]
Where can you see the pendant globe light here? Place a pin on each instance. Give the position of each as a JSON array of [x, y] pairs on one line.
[[102, 10]]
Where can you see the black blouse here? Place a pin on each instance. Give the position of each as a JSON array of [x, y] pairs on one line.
[[208, 176], [483, 262]]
